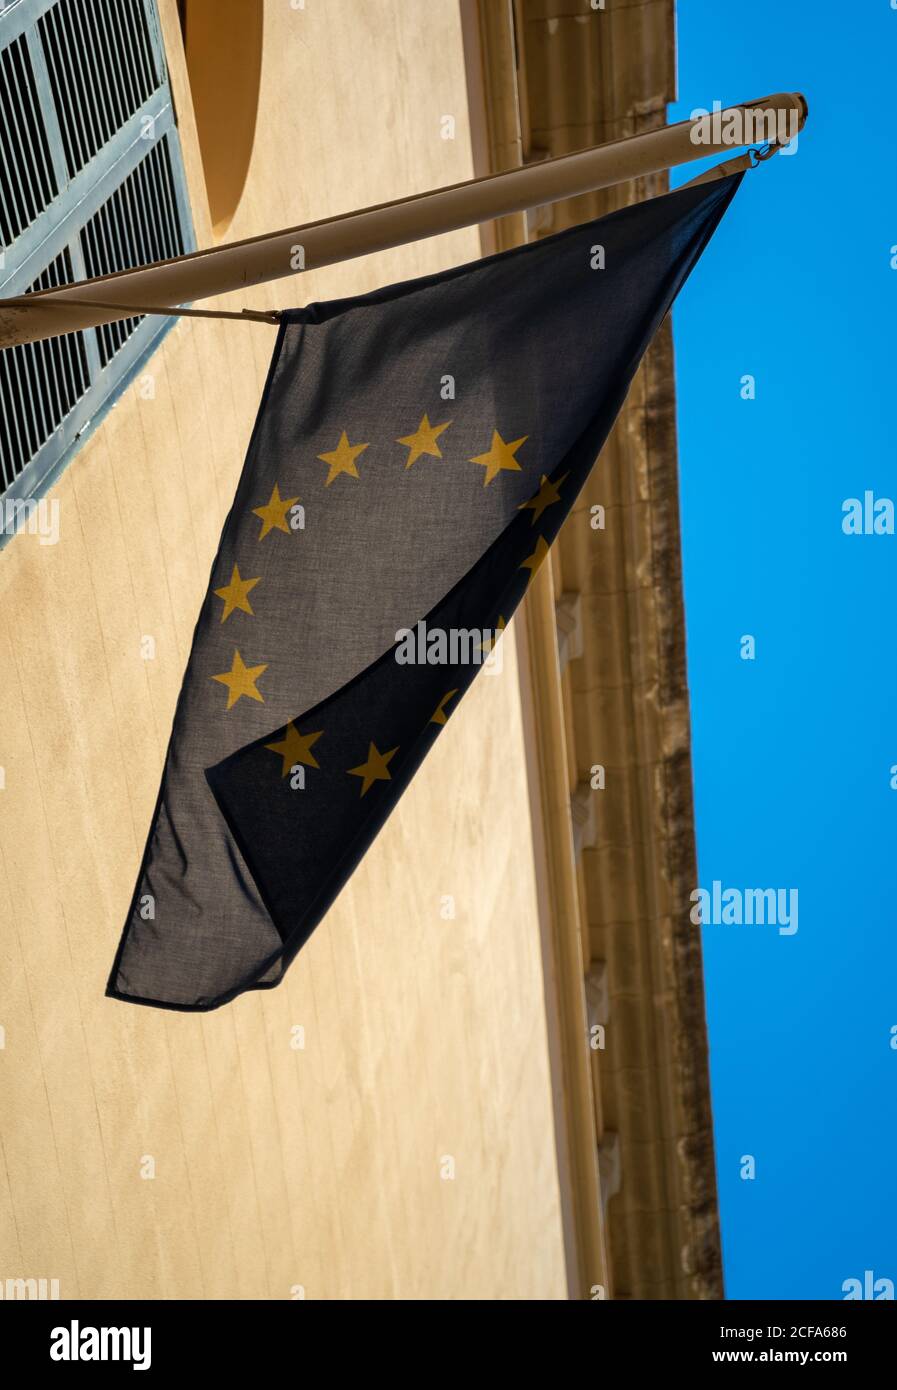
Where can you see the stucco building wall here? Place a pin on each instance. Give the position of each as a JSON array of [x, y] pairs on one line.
[[407, 1149]]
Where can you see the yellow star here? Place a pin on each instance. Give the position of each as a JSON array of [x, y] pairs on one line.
[[439, 715], [532, 562], [375, 769], [274, 515], [296, 748], [490, 642], [236, 594], [549, 492], [342, 459], [423, 441], [500, 455], [240, 680]]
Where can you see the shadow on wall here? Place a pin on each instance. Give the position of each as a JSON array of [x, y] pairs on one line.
[[223, 45]]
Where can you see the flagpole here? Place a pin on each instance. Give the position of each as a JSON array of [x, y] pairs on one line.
[[258, 260]]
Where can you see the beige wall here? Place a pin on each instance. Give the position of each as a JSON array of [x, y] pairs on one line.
[[423, 1037]]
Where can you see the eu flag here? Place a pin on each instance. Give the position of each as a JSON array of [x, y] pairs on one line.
[[415, 454]]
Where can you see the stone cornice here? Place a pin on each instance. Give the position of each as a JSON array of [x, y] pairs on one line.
[[619, 697]]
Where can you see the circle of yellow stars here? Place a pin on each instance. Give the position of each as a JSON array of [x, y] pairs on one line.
[[242, 680]]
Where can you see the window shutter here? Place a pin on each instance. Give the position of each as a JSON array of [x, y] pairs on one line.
[[91, 181]]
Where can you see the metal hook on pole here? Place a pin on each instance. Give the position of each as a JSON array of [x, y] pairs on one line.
[[760, 153]]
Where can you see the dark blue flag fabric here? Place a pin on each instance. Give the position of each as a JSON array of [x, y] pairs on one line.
[[415, 453]]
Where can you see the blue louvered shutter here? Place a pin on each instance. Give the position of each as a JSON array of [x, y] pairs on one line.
[[91, 181]]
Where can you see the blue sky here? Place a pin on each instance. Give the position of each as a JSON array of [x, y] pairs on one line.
[[792, 751]]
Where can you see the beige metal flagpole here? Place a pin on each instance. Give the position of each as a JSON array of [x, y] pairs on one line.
[[224, 269]]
